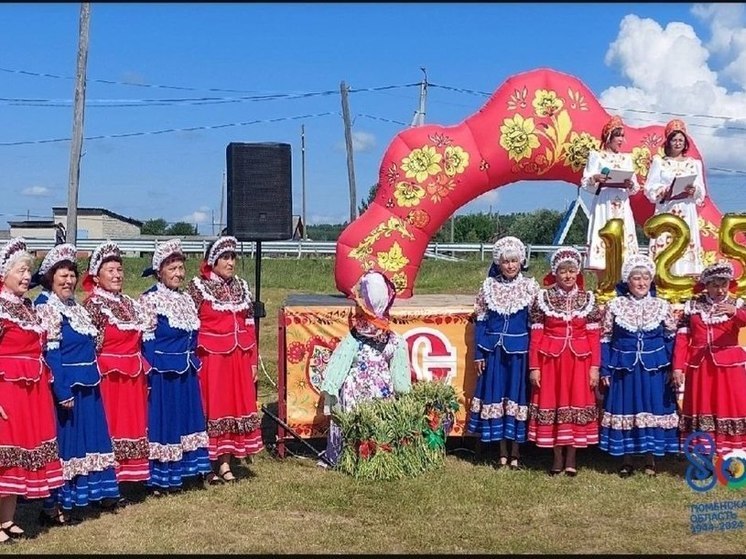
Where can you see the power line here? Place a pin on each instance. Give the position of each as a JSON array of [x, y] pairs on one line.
[[21, 101], [170, 130]]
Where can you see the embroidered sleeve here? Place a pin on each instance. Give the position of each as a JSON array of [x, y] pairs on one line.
[[480, 305], [195, 293], [593, 318], [654, 187], [635, 183], [51, 320], [682, 325], [536, 314], [98, 319], [592, 168], [669, 322], [146, 310], [607, 325], [699, 184]]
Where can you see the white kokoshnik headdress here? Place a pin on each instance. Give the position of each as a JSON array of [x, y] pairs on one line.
[[637, 261], [60, 253], [719, 270], [565, 255], [12, 251], [163, 251], [220, 247], [509, 245], [100, 253]]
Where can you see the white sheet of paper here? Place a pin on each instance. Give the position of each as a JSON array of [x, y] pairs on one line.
[[680, 183], [619, 176]]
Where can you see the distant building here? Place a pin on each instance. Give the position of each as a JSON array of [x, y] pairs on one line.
[[93, 223], [100, 223], [33, 229]]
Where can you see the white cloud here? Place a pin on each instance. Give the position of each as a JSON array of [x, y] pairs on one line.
[[199, 216], [361, 142], [669, 71], [37, 191]]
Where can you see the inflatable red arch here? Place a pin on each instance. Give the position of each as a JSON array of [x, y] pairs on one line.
[[538, 125]]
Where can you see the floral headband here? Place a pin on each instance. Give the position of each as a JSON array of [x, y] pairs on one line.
[[14, 250], [718, 270], [637, 261], [58, 254], [220, 247], [564, 255], [102, 251], [509, 245]]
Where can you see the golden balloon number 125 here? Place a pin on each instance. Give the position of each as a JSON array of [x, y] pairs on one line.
[[670, 286]]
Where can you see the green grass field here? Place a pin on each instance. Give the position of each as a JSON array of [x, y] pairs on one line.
[[468, 506]]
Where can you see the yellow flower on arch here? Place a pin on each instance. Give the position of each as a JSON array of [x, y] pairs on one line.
[[641, 158], [456, 160], [408, 194], [518, 137], [546, 102], [393, 260], [577, 149], [421, 163]]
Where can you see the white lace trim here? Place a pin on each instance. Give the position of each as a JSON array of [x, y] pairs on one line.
[[691, 307], [509, 297], [140, 320], [93, 462], [175, 452], [635, 315], [245, 304], [77, 316], [177, 306], [34, 326], [567, 316]]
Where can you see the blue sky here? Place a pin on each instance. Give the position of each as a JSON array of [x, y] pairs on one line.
[[623, 52]]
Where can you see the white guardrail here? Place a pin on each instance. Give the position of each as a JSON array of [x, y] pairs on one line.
[[296, 249]]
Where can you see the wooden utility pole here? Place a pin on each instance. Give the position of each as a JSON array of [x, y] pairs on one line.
[[77, 139], [343, 89], [303, 176], [419, 114]]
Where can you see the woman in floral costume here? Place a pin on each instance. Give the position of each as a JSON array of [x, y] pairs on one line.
[[371, 362], [29, 458], [121, 323], [639, 409], [226, 346], [707, 354], [663, 171], [82, 430], [564, 359], [610, 200], [499, 408], [176, 420]]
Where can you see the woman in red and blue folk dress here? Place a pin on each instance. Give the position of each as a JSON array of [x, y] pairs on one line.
[[226, 346], [30, 465], [176, 420], [121, 322], [564, 359], [710, 363]]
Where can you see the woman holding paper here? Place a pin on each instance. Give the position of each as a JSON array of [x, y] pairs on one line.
[[675, 186], [609, 175]]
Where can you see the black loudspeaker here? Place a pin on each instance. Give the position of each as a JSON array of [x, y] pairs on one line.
[[260, 191]]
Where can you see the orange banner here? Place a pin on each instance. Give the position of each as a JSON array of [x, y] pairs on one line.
[[438, 330]]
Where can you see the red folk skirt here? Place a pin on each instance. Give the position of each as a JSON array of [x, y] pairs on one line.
[[563, 411], [125, 404], [29, 457], [715, 403], [229, 401]]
